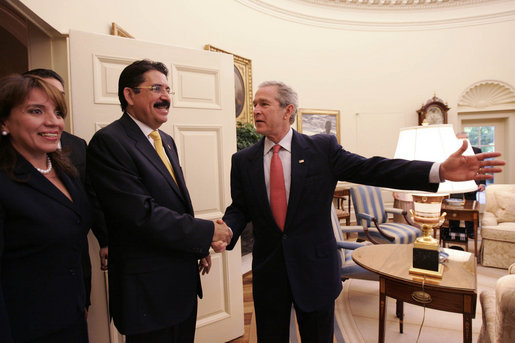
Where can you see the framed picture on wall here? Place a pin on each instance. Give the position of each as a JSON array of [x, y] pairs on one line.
[[312, 122], [242, 86], [116, 30]]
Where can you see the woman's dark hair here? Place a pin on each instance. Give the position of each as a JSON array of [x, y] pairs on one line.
[[14, 90], [132, 76]]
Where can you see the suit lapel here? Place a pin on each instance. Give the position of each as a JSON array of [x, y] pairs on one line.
[[145, 147], [171, 152], [256, 177], [300, 159], [41, 184]]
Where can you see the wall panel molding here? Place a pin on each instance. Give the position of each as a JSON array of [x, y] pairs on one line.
[[106, 72], [489, 95], [200, 152], [196, 87]]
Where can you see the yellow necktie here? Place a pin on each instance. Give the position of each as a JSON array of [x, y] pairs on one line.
[[158, 144]]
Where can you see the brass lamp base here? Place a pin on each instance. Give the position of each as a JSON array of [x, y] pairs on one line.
[[426, 255], [434, 274]]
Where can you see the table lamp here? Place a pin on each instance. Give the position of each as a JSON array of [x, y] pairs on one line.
[[433, 143]]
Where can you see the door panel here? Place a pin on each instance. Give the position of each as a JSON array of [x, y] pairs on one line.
[[201, 120]]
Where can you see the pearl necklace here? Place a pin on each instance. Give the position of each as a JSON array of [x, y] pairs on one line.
[[49, 169]]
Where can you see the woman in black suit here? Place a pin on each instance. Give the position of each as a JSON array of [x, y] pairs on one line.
[[44, 218]]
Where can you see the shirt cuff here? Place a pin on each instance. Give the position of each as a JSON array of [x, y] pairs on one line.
[[434, 174]]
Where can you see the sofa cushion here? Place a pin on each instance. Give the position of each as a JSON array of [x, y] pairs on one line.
[[489, 219], [504, 232], [506, 206]]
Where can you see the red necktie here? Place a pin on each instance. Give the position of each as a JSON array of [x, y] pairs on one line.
[[277, 188]]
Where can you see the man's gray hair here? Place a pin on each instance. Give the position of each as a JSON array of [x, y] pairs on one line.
[[285, 95]]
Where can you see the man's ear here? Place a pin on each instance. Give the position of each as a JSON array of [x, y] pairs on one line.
[[128, 93], [289, 111]]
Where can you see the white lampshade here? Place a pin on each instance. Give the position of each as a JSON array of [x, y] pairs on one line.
[[433, 143]]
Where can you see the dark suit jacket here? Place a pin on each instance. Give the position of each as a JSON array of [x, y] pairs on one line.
[[154, 240], [75, 148], [41, 239], [307, 247]]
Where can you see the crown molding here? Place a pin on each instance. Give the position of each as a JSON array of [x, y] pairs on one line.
[[383, 15], [395, 4]]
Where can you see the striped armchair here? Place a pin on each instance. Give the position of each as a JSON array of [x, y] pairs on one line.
[[373, 217], [348, 268]]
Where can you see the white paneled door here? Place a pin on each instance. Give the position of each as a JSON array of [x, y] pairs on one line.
[[202, 123]]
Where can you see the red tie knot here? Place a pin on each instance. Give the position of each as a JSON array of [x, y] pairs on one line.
[[276, 148]]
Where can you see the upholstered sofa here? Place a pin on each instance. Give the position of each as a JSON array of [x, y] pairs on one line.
[[498, 226], [498, 311]]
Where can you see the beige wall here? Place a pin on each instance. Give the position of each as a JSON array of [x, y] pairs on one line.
[[383, 75]]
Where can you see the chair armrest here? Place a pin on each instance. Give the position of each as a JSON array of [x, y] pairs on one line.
[[505, 300], [395, 210], [350, 245], [489, 219], [365, 216], [351, 228], [489, 314], [374, 220]]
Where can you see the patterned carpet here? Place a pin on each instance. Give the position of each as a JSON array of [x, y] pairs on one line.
[[356, 315]]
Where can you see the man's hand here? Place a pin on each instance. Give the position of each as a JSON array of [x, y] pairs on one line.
[[104, 253], [218, 246], [222, 232], [222, 236], [462, 168], [204, 265]]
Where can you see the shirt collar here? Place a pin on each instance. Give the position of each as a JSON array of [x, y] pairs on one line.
[[285, 143], [143, 127]]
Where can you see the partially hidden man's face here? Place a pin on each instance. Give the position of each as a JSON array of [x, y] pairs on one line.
[[55, 83], [270, 118], [147, 106]]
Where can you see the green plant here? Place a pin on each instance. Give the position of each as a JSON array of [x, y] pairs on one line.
[[246, 135]]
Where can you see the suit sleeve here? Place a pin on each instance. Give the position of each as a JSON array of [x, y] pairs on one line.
[[98, 227], [236, 215], [379, 171], [5, 326], [153, 215]]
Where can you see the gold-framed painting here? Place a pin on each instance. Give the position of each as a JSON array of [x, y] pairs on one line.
[[242, 86], [312, 121], [116, 30]]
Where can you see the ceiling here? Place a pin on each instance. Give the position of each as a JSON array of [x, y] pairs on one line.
[[387, 15]]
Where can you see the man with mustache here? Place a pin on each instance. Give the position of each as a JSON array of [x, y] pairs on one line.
[[154, 240]]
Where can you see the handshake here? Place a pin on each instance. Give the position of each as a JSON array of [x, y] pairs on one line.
[[222, 236]]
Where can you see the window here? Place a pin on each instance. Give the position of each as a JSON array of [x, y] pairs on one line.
[[482, 137]]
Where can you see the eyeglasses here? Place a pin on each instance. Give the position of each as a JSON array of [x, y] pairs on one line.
[[158, 89]]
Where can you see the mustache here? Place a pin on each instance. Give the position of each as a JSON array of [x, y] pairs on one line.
[[162, 103]]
